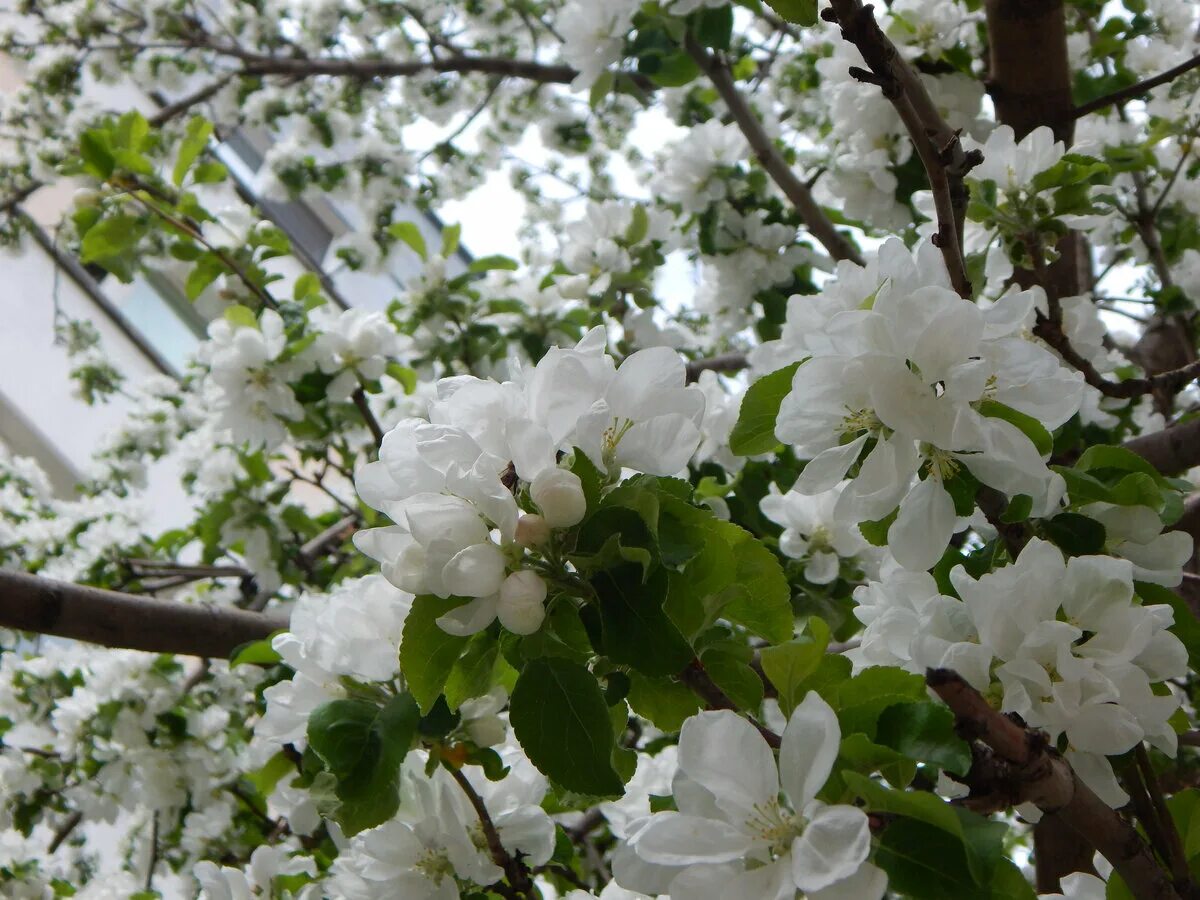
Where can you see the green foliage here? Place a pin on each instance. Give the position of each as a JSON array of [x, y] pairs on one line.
[[559, 715], [362, 744], [754, 432], [427, 653]]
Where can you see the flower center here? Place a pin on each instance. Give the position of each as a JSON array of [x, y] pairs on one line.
[[775, 826], [435, 865], [612, 436], [859, 420]]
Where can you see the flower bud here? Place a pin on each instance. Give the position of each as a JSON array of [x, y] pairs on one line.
[[532, 530], [475, 572], [487, 731], [559, 495], [522, 605]]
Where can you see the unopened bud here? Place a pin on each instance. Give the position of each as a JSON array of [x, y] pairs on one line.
[[532, 530], [559, 495], [522, 605], [487, 731]]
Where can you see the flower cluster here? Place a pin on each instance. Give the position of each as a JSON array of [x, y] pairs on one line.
[[454, 485], [909, 384], [1062, 643]]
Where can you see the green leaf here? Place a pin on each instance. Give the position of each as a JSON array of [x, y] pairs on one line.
[[195, 139], [787, 666], [798, 12], [754, 432], [363, 744], [265, 779], [734, 676], [1018, 509], [451, 234], [559, 716], [714, 26], [241, 316], [860, 700], [1103, 456], [924, 731], [639, 225], [1075, 534], [496, 261], [110, 237], [471, 674], [207, 269], [307, 285], [980, 840], [427, 653], [411, 235], [664, 702], [876, 531], [1031, 427], [97, 156], [922, 861], [636, 631], [254, 653]]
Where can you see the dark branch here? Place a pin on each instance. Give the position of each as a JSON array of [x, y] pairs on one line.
[[726, 362], [1136, 90], [937, 144], [111, 619], [769, 157], [1034, 772]]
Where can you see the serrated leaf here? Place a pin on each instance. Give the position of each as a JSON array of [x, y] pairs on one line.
[[788, 666], [798, 12], [1075, 534], [561, 721], [427, 653], [636, 631], [362, 744], [754, 432]]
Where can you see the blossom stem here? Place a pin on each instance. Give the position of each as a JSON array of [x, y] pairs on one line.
[[364, 409]]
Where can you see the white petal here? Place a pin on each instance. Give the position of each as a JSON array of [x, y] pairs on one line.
[[924, 526], [469, 618], [476, 571], [834, 844], [828, 467], [868, 883], [724, 753], [809, 748], [673, 839], [659, 446]]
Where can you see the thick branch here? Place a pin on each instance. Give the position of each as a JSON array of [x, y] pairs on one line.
[[769, 157], [726, 362], [1136, 90], [1173, 450], [937, 144], [1039, 775], [111, 619]]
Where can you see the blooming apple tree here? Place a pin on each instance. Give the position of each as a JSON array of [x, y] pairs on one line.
[[804, 511]]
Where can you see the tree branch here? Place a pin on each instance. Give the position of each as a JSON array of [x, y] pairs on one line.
[[1135, 90], [1173, 450], [112, 619], [514, 870], [1037, 774], [945, 161], [726, 362], [695, 678], [818, 223]]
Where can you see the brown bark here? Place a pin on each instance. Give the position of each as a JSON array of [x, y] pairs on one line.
[[112, 619], [1034, 772], [1029, 70]]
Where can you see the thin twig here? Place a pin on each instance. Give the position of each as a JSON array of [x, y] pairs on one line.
[[1135, 90], [941, 152], [514, 870], [695, 678], [64, 831], [726, 362], [364, 408], [769, 157]]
